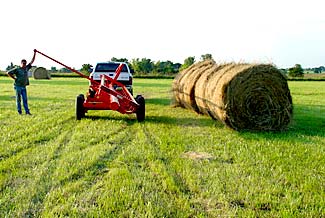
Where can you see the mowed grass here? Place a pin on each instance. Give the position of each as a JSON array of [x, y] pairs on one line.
[[175, 164]]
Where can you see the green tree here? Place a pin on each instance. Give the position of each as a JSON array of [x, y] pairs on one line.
[[164, 67], [53, 69], [187, 62], [317, 70], [206, 57], [144, 65], [86, 68], [296, 71], [65, 70], [177, 66]]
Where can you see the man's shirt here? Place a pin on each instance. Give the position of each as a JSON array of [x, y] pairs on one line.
[[21, 75]]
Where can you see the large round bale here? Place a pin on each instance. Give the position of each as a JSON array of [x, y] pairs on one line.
[[243, 96], [200, 87], [41, 73], [176, 87], [214, 94], [255, 97], [188, 83], [182, 87]]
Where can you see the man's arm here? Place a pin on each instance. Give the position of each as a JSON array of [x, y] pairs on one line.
[[11, 74], [33, 59], [29, 66]]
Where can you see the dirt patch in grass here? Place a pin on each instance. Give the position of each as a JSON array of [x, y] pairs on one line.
[[193, 155]]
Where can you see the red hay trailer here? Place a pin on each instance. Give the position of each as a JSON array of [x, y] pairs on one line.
[[106, 94]]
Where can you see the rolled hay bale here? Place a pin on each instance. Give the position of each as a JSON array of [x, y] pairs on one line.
[[179, 84], [200, 87], [188, 83], [244, 96], [41, 73], [176, 88], [257, 97], [213, 94]]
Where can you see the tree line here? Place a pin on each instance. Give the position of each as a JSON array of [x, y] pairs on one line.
[[139, 66], [316, 69], [146, 66], [298, 71]]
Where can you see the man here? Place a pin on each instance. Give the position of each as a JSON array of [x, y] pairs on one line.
[[20, 75]]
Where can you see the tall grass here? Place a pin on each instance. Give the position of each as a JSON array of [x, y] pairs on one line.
[[175, 164]]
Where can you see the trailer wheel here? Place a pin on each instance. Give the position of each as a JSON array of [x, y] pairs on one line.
[[80, 111], [141, 111]]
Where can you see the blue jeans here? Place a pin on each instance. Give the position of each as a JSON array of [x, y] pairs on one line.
[[21, 93]]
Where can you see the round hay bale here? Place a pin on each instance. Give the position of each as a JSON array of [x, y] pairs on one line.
[[41, 73], [176, 90], [180, 84], [188, 82], [242, 96], [256, 97], [200, 88], [213, 92]]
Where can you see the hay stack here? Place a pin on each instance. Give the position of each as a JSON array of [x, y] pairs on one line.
[[242, 96], [186, 84], [41, 73], [201, 98], [177, 90]]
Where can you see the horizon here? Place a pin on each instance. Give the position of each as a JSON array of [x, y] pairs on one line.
[[59, 67]]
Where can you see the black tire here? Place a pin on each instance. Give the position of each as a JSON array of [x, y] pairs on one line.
[[141, 111], [80, 111]]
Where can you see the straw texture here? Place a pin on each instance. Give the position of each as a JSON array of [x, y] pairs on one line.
[[242, 96]]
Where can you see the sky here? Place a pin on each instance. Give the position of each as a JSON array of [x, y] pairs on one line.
[[76, 32]]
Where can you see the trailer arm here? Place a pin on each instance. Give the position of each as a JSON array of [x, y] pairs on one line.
[[73, 70]]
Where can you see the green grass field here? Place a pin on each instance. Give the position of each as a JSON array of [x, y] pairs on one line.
[[175, 164]]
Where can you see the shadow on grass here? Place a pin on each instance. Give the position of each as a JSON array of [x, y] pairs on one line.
[[128, 119], [159, 101], [308, 120], [203, 121]]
